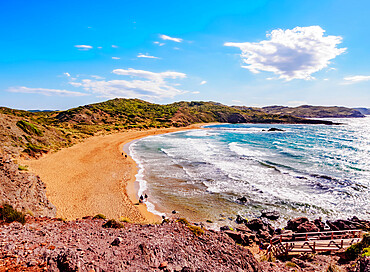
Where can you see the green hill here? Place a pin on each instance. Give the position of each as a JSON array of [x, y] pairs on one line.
[[38, 132]]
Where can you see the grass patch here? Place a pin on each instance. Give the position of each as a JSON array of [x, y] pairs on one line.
[[9, 214], [29, 128], [112, 224], [99, 216]]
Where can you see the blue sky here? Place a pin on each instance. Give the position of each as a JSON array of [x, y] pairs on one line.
[[62, 54]]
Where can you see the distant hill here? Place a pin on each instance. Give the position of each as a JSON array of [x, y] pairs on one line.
[[365, 111], [37, 132], [307, 111]]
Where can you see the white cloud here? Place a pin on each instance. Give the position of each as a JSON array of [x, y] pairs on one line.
[[99, 47], [116, 58], [153, 85], [195, 92], [292, 54], [115, 46], [67, 74], [47, 92], [140, 55], [83, 47], [159, 43], [203, 82], [355, 79], [168, 38]]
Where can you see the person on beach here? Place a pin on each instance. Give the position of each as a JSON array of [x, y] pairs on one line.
[[146, 197], [141, 199]]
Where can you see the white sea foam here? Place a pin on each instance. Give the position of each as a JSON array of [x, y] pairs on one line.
[[311, 170], [141, 180]]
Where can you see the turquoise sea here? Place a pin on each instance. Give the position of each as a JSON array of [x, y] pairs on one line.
[[310, 170]]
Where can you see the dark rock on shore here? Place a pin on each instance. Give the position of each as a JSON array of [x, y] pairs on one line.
[[294, 223], [269, 214]]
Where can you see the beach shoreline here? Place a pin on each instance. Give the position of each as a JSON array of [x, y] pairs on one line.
[[95, 177]]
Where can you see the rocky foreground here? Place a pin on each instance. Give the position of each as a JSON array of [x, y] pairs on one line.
[[84, 245], [44, 244]]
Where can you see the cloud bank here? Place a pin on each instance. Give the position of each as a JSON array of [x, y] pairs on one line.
[[292, 53], [150, 85], [42, 91]]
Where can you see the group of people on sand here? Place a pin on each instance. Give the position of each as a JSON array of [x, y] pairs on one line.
[[143, 198]]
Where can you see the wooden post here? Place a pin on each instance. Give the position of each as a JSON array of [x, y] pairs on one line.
[[281, 238], [332, 235], [314, 247], [306, 236], [341, 243]]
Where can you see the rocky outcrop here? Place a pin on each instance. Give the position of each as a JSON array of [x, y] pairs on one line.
[[23, 190], [84, 245]]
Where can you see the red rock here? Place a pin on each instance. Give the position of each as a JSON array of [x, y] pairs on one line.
[[163, 265], [307, 227], [294, 223]]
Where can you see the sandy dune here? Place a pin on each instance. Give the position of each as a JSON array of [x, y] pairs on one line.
[[94, 177]]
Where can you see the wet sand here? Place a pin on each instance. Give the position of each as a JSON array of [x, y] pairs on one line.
[[94, 177]]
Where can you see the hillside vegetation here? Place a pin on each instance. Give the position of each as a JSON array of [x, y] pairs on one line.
[[37, 132], [307, 111]]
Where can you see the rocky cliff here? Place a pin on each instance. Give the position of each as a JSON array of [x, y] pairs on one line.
[[24, 191]]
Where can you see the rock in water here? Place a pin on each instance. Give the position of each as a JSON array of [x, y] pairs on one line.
[[275, 129]]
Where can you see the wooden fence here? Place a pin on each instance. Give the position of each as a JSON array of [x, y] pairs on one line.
[[312, 242]]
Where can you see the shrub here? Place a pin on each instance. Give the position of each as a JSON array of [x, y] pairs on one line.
[[125, 220], [99, 216], [183, 221], [112, 224], [357, 249], [290, 264], [23, 167], [9, 214], [196, 230], [29, 128]]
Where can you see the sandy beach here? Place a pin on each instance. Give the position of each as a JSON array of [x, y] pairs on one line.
[[95, 177]]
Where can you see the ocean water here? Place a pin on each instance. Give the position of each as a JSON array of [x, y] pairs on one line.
[[306, 170]]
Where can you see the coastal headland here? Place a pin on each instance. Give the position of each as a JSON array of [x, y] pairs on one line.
[[95, 177]]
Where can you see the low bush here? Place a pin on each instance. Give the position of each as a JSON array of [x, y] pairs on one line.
[[125, 220], [23, 167], [183, 221], [196, 230], [358, 249], [99, 216], [112, 224], [9, 214]]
